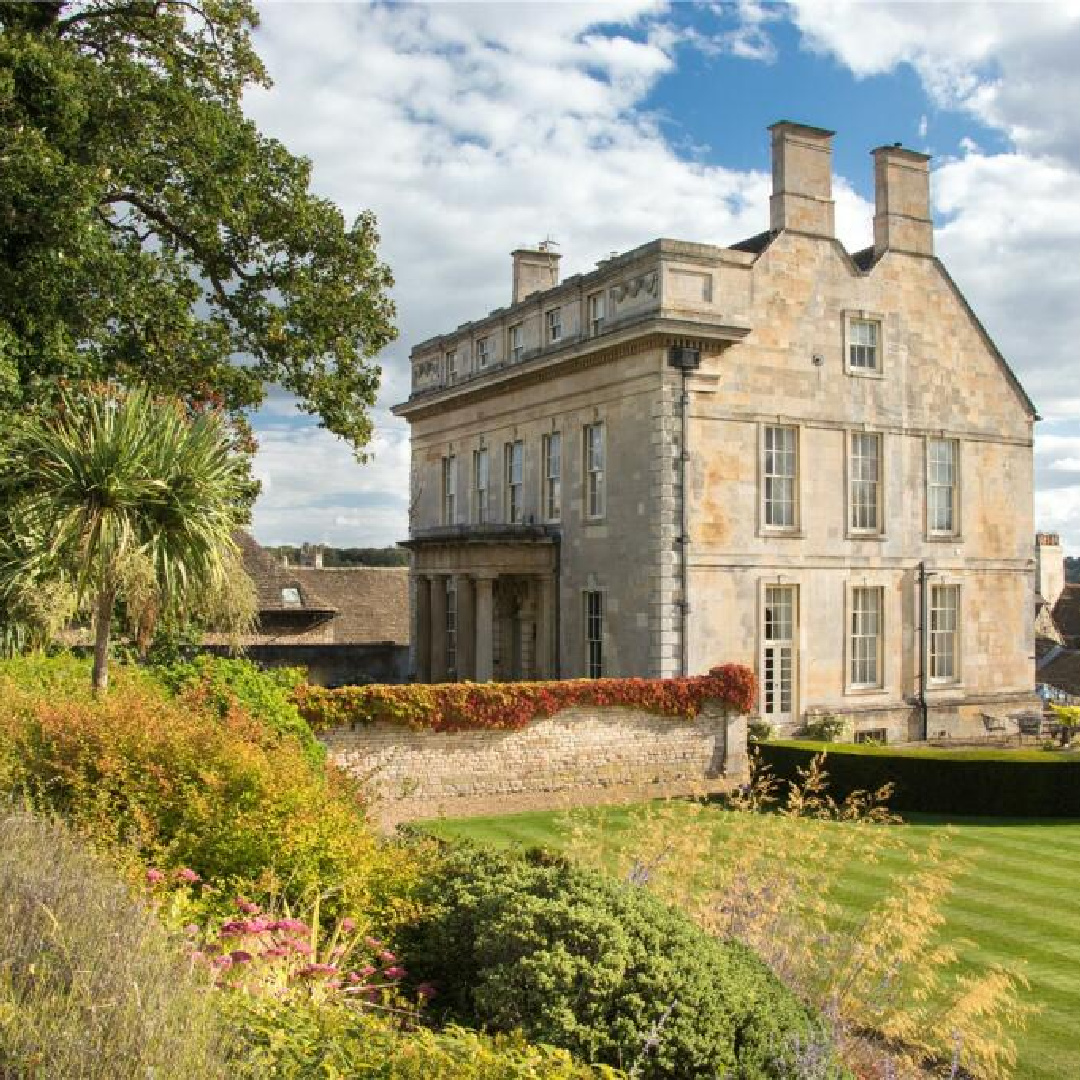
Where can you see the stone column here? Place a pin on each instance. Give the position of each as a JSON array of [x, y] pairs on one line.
[[545, 628], [466, 626], [485, 616], [422, 641], [438, 628]]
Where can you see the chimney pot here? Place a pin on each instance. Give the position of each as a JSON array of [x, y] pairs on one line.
[[1049, 567], [902, 202], [802, 179]]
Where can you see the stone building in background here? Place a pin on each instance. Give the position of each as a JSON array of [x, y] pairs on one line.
[[777, 453]]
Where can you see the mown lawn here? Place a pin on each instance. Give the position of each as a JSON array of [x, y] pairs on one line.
[[1017, 902]]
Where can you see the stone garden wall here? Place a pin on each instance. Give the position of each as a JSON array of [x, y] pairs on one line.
[[584, 754]]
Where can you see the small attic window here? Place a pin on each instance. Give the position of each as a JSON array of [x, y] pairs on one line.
[[290, 597]]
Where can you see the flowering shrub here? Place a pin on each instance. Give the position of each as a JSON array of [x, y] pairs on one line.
[[510, 706], [282, 956]]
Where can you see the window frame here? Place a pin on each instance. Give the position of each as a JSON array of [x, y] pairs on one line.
[[514, 489], [595, 479], [451, 628], [551, 496], [481, 494], [956, 678], [596, 302], [794, 528], [955, 531], [860, 532], [553, 325], [851, 654], [593, 645], [792, 642], [484, 355], [851, 319], [450, 359], [449, 489], [515, 341]]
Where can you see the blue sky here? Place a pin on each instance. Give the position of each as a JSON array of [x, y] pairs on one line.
[[472, 129]]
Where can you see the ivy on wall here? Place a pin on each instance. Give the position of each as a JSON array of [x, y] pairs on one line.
[[512, 706]]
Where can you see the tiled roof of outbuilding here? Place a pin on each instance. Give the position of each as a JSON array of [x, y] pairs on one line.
[[271, 579], [1062, 672], [372, 602]]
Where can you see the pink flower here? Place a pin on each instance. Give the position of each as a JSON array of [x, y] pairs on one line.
[[275, 952], [301, 947], [387, 957], [348, 925], [239, 956], [223, 962], [311, 970], [191, 929], [394, 972], [234, 928], [292, 926], [154, 877], [425, 991], [246, 906], [366, 971], [189, 877], [373, 943]]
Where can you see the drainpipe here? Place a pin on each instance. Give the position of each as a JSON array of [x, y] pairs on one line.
[[924, 650], [685, 359]]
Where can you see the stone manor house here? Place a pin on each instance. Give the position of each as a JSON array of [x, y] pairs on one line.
[[777, 453]]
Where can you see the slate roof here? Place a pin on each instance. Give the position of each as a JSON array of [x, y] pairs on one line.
[[271, 578], [1067, 614], [372, 602]]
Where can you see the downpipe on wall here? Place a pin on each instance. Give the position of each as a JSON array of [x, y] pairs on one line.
[[685, 359]]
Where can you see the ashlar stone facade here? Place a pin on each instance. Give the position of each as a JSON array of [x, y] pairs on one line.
[[778, 453]]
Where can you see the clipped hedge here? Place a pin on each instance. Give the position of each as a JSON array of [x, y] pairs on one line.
[[981, 783], [571, 957], [511, 706]]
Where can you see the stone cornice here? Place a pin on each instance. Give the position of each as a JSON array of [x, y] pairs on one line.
[[637, 336]]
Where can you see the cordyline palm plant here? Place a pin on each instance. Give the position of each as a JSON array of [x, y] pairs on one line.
[[117, 488]]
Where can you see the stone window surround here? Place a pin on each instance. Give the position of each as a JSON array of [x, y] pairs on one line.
[[546, 479], [881, 686], [553, 328], [850, 532], [596, 312], [515, 340], [850, 316], [449, 488], [510, 449], [764, 583], [764, 529], [957, 681], [481, 509], [956, 533]]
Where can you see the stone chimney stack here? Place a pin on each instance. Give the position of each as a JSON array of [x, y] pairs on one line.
[[535, 269], [902, 202], [802, 179], [1049, 567]]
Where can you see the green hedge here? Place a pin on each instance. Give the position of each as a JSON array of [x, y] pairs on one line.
[[977, 782]]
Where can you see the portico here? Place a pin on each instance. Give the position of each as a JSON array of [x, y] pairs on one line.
[[485, 603]]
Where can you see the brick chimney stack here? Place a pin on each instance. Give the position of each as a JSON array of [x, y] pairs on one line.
[[902, 202], [1049, 567], [535, 269], [802, 179]]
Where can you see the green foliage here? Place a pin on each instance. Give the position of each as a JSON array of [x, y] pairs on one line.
[[994, 783], [511, 706], [604, 969], [151, 233], [312, 1041], [176, 785], [90, 984], [825, 728], [121, 495], [219, 684], [759, 730]]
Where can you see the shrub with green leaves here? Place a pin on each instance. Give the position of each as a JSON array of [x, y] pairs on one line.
[[312, 1041], [602, 968], [219, 683]]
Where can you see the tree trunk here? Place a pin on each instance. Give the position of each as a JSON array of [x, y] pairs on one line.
[[102, 628]]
